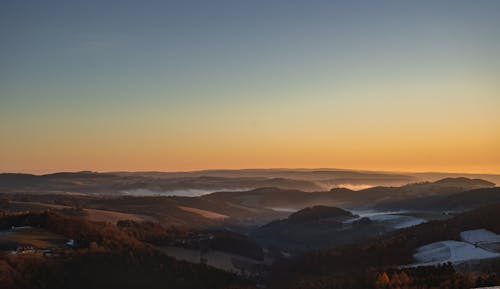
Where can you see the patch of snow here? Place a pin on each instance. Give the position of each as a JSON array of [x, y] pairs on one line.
[[479, 236], [450, 251], [410, 222], [393, 219], [398, 221], [351, 220], [371, 213]]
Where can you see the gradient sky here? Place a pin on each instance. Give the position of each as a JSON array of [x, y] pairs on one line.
[[182, 85]]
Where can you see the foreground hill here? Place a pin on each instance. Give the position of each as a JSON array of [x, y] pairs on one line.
[[100, 256]]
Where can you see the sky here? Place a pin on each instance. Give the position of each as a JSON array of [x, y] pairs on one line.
[[187, 85]]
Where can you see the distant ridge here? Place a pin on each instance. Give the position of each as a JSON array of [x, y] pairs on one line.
[[465, 181]]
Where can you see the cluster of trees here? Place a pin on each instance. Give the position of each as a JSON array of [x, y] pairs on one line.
[[236, 243], [151, 232], [429, 277], [138, 269], [223, 240]]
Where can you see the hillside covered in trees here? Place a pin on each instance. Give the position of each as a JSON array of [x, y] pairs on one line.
[[103, 256]]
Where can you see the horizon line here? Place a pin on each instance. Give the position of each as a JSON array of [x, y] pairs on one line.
[[250, 169]]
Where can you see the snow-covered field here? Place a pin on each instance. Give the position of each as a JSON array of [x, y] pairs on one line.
[[475, 245], [479, 236], [450, 251], [371, 213]]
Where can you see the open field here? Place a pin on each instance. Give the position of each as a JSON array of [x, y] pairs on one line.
[[475, 245], [203, 213], [36, 237], [95, 215], [450, 251], [221, 260]]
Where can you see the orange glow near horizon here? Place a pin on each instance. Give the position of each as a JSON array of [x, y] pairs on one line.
[[398, 156], [389, 141], [256, 138]]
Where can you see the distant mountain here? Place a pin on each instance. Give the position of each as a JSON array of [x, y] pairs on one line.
[[336, 176], [434, 176], [145, 184], [460, 201], [372, 197], [464, 182], [342, 197], [326, 177], [200, 182]]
